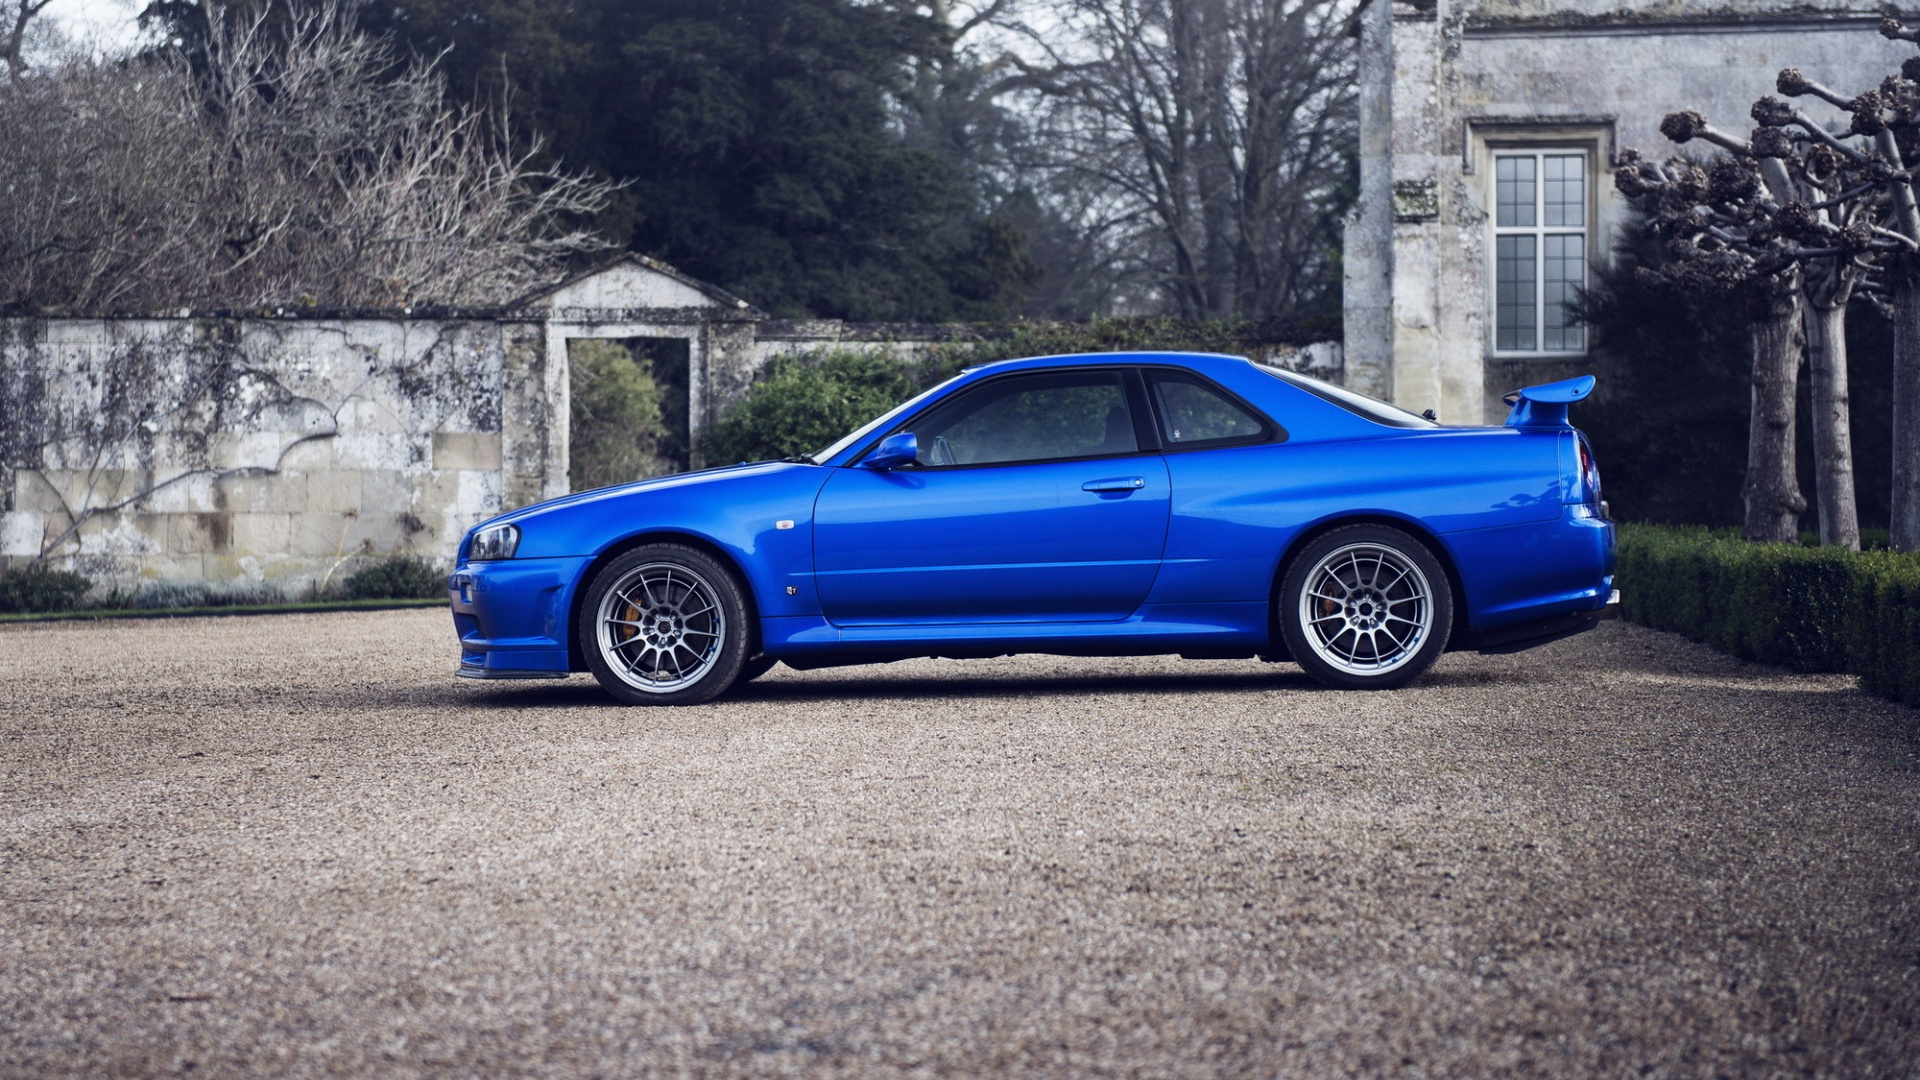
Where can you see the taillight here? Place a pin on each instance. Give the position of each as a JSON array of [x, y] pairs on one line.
[[1589, 472]]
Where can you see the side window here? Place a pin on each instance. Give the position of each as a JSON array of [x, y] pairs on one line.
[[1196, 413], [1039, 417]]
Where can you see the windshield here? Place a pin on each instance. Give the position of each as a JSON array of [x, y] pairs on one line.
[[872, 427], [1353, 401]]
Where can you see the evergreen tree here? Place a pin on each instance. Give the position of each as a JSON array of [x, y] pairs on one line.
[[765, 142]]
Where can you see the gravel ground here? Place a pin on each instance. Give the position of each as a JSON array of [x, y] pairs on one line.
[[296, 845]]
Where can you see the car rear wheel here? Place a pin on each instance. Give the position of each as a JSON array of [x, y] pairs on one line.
[[1365, 607], [664, 624]]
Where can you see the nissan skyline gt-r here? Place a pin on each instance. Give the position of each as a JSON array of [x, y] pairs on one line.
[[1096, 505]]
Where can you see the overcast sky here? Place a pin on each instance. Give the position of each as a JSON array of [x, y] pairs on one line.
[[112, 23]]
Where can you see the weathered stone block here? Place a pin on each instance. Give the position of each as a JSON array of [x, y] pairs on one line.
[[117, 535], [378, 450], [257, 534], [183, 493], [466, 450], [364, 415], [336, 491], [198, 533], [34, 490], [262, 533], [21, 532], [86, 333], [278, 493], [250, 450], [315, 534], [308, 455], [387, 491]]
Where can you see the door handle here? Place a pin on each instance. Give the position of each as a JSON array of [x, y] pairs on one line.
[[1117, 483]]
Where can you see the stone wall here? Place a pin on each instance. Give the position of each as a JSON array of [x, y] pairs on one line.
[[273, 450], [1446, 81]]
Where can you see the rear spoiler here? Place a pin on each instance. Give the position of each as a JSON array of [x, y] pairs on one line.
[[1546, 405]]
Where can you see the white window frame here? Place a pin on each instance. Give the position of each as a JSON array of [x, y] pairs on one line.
[[1539, 231]]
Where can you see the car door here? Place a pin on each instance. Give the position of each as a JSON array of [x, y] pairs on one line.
[[1036, 497]]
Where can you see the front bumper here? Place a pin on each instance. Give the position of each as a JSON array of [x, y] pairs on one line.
[[512, 616]]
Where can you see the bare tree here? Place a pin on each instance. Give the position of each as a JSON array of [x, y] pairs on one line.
[[1789, 214], [291, 167], [107, 183], [1211, 140], [17, 17]]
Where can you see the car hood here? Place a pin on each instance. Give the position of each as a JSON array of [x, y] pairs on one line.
[[677, 482]]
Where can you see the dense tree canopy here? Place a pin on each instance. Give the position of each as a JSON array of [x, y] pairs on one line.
[[764, 141]]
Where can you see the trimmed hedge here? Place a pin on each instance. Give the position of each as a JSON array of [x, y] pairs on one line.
[[1811, 609]]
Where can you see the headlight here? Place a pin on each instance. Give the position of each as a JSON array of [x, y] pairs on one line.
[[494, 542]]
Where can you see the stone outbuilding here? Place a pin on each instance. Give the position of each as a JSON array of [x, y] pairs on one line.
[[1489, 129]]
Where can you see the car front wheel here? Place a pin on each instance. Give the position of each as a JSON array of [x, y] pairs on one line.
[[664, 624], [1365, 607]]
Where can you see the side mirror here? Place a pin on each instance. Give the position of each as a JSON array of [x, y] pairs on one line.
[[893, 452]]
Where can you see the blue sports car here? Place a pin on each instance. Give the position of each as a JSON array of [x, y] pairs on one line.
[[1099, 505]]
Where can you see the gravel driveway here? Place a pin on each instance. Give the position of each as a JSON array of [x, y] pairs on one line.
[[296, 845]]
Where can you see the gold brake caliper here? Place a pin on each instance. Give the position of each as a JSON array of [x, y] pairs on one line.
[[629, 615]]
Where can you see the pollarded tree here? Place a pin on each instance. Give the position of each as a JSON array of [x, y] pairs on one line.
[[1889, 116], [1790, 213]]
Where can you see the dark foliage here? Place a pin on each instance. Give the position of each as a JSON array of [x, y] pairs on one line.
[[761, 137], [396, 577], [36, 587], [1669, 421], [804, 403]]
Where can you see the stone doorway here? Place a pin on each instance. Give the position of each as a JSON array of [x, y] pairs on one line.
[[630, 413]]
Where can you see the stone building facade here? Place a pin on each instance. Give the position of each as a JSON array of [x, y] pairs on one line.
[[1489, 129]]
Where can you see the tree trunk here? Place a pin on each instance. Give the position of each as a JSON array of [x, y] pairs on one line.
[[1772, 491], [1826, 326], [1906, 405]]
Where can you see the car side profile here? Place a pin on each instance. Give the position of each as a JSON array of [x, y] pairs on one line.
[[1093, 505]]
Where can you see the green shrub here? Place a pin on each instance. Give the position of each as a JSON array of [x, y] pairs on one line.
[[617, 415], [37, 587], [803, 403], [396, 577], [1812, 609]]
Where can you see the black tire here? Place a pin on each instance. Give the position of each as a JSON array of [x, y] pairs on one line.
[[1345, 627], [664, 624]]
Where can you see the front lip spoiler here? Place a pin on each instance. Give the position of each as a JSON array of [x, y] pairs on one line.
[[1513, 639], [473, 671]]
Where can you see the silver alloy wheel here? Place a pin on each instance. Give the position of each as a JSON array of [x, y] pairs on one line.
[[661, 627], [1366, 609]]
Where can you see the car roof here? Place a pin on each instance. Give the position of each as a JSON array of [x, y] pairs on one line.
[[1202, 362]]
